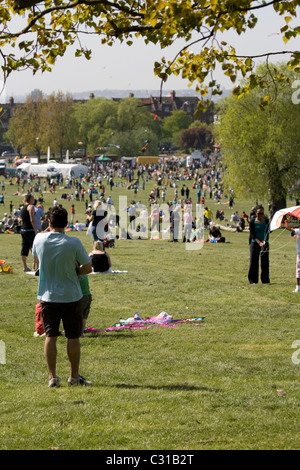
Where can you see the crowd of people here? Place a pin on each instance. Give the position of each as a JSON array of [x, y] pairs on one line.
[[165, 214], [170, 200]]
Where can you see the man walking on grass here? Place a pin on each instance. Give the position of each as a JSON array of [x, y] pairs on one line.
[[59, 291]]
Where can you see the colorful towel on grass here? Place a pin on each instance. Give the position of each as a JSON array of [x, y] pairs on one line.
[[110, 272], [137, 323]]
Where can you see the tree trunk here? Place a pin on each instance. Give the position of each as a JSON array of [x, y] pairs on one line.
[[277, 191], [278, 202]]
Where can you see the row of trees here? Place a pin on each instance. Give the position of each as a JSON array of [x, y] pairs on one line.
[[129, 128], [41, 122]]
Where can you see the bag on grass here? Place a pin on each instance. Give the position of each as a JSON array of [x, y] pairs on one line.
[[38, 319]]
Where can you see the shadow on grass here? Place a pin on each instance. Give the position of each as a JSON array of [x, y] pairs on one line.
[[169, 387], [113, 335]]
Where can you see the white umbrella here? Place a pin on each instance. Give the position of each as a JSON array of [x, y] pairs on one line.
[[278, 216]]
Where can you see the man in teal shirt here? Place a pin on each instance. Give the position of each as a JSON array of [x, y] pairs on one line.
[[59, 291]]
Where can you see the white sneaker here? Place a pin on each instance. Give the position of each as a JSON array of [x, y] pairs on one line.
[[54, 382], [297, 290], [78, 381]]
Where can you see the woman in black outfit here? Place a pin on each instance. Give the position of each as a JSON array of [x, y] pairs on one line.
[[98, 223], [101, 262], [259, 247]]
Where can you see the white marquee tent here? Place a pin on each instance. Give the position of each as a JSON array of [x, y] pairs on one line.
[[68, 170]]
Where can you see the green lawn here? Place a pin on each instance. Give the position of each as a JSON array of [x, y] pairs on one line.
[[213, 386]]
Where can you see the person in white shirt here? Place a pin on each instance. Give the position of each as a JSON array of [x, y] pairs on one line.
[[296, 231], [79, 226], [188, 221]]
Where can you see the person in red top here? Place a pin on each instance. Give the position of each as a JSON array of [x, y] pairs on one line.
[[72, 213], [245, 216]]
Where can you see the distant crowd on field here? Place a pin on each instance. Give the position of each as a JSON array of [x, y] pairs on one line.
[[205, 175], [175, 188]]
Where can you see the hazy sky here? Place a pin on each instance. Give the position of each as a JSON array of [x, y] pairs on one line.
[[131, 68]]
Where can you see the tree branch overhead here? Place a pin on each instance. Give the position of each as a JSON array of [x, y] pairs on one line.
[[49, 28]]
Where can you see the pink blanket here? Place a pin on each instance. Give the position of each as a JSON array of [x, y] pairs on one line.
[[138, 324]]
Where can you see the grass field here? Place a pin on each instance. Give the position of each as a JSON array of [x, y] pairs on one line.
[[230, 383]]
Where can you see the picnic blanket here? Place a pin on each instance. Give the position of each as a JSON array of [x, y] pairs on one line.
[[136, 323]]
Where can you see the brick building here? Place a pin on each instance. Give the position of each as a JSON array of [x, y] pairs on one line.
[[165, 105]]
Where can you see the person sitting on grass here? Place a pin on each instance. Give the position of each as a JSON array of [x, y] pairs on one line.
[[215, 234], [100, 259]]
